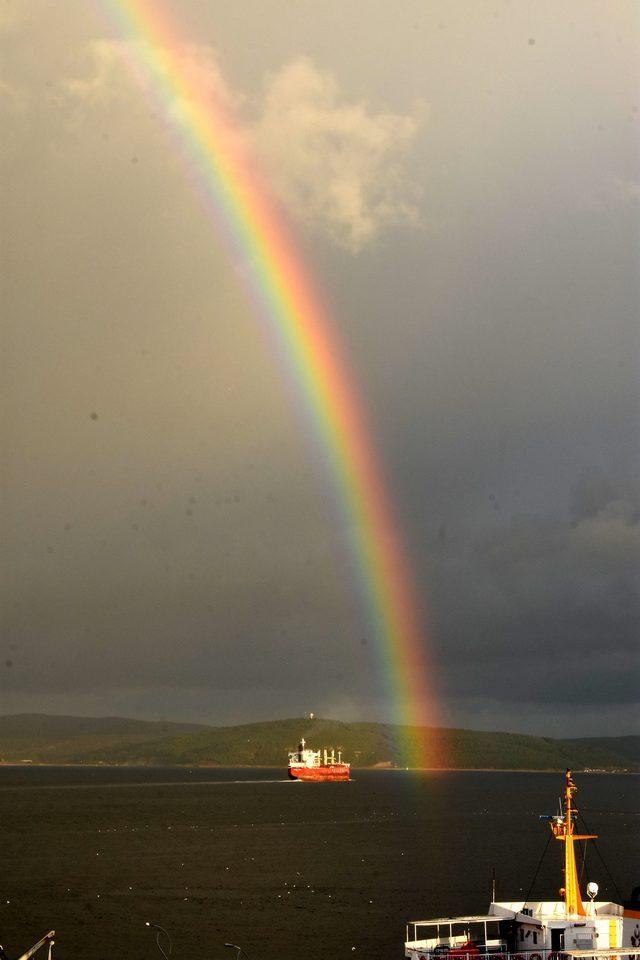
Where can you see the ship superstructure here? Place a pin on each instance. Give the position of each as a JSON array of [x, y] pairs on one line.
[[536, 930], [317, 765]]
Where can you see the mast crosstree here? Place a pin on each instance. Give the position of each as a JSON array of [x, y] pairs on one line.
[[562, 828]]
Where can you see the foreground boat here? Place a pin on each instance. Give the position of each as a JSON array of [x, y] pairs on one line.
[[537, 930], [317, 765]]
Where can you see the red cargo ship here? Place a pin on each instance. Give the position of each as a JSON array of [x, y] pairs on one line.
[[317, 765]]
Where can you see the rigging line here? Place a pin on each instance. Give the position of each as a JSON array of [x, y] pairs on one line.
[[583, 870], [583, 851], [159, 946], [602, 860], [535, 876]]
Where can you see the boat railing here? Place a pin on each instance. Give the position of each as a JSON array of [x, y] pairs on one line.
[[416, 952]]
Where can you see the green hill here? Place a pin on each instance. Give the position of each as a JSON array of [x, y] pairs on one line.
[[627, 748], [53, 739], [59, 739]]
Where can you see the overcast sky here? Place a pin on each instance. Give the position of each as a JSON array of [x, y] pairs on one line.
[[462, 179]]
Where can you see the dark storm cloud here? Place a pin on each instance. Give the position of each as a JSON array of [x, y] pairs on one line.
[[551, 610], [173, 544]]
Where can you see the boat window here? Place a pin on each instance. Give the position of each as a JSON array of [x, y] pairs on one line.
[[535, 936], [493, 930], [476, 932], [426, 932], [458, 929]]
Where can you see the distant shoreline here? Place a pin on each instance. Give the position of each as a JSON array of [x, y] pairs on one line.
[[26, 764], [50, 740]]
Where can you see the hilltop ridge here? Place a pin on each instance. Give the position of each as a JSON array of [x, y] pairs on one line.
[[40, 738]]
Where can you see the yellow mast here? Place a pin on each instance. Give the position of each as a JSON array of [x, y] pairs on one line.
[[562, 829]]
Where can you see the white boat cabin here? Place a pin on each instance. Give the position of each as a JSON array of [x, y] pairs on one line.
[[537, 930], [532, 931], [302, 757]]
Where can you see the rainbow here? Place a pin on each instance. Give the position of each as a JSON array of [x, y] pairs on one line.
[[283, 294]]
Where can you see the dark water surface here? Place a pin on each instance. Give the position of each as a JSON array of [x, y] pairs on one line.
[[284, 869]]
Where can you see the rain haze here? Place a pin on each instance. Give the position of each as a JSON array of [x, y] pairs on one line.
[[461, 180]]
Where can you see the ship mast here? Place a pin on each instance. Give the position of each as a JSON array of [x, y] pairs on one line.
[[562, 829]]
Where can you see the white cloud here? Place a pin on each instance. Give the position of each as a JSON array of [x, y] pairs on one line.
[[336, 165], [10, 16], [197, 67], [12, 99], [627, 189]]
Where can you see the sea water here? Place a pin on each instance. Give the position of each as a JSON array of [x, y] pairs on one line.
[[283, 869]]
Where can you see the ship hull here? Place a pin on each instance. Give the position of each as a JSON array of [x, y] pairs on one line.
[[323, 773]]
